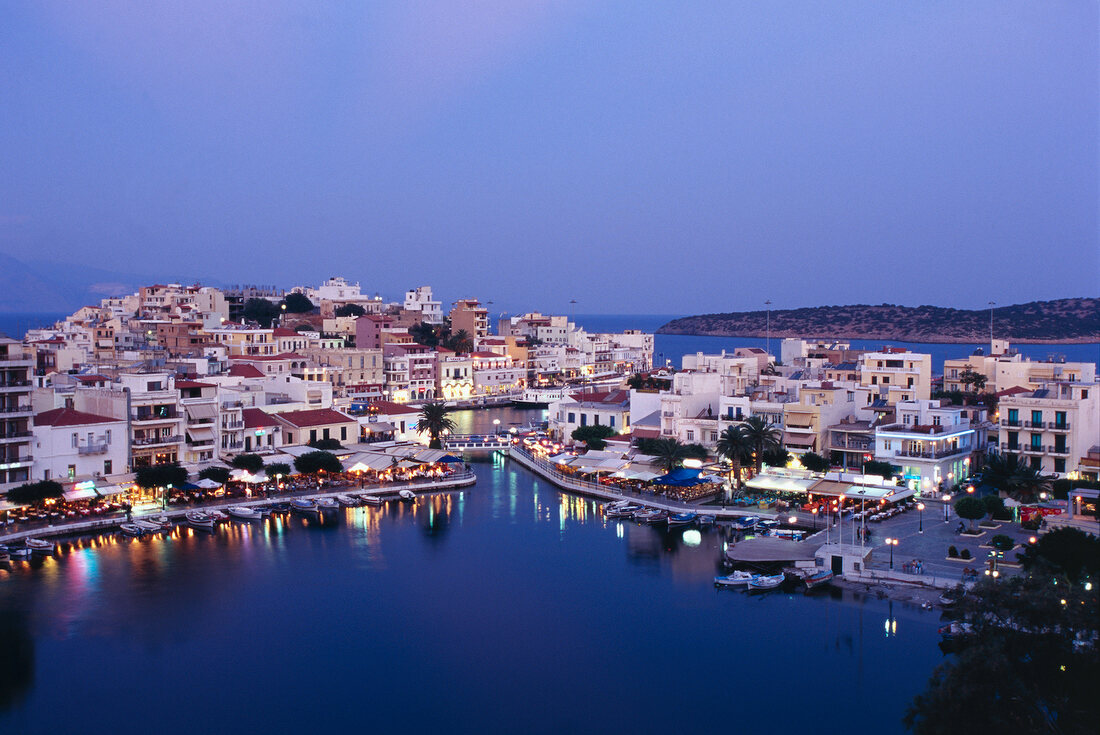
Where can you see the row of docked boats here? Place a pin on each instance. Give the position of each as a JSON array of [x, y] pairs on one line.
[[634, 511], [761, 582], [29, 547]]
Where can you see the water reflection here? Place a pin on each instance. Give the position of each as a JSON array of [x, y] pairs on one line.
[[16, 658]]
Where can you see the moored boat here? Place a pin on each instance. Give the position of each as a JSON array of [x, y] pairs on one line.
[[706, 520], [280, 507], [327, 504], [655, 516], [244, 513], [743, 524], [818, 579], [38, 546], [4, 556], [148, 526], [407, 495], [371, 499], [765, 582], [348, 501], [682, 519], [131, 529], [736, 579], [198, 519], [303, 505], [622, 511]]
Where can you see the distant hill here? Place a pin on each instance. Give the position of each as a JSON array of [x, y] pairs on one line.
[[1063, 320]]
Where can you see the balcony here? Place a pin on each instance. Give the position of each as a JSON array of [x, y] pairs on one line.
[[1055, 426], [141, 416], [152, 441], [11, 384], [15, 435], [232, 404], [1063, 451], [230, 425], [16, 460], [15, 409], [931, 454], [1011, 422], [93, 448], [1033, 424], [1032, 448], [1006, 447]]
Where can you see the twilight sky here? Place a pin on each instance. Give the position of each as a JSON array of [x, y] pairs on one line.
[[654, 157]]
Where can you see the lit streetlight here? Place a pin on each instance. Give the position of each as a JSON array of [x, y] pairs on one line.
[[946, 505], [891, 542], [813, 512], [920, 526]]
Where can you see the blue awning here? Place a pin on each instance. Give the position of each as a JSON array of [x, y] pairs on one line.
[[449, 459], [681, 477]]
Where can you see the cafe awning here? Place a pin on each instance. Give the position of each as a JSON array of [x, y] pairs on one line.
[[80, 492], [378, 427], [780, 483], [106, 490], [201, 411]]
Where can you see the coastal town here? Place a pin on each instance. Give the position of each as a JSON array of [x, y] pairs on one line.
[[232, 388]]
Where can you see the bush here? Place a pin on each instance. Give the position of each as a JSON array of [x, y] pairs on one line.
[[219, 475], [964, 554], [326, 444], [1001, 542], [993, 505], [1033, 524], [952, 552], [251, 463], [593, 436], [814, 462]]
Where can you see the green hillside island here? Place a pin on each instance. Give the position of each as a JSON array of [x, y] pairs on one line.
[[1063, 320]]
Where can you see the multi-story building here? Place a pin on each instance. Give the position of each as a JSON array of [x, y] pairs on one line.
[[497, 373], [470, 316], [932, 443], [352, 371], [156, 422], [240, 340], [420, 300], [72, 446], [454, 375], [607, 408], [897, 375], [409, 372], [1053, 428], [305, 427], [17, 364], [202, 423], [820, 405], [1005, 369]]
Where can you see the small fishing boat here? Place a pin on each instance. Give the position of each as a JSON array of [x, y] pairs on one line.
[[642, 513], [303, 505], [164, 522], [327, 504], [147, 526], [682, 519], [706, 520], [347, 501], [818, 579], [4, 556], [218, 515], [655, 516], [244, 513], [788, 533], [737, 579], [767, 523], [371, 499], [38, 546], [622, 511], [280, 507], [743, 524], [18, 552], [131, 529], [198, 519], [407, 495], [765, 582]]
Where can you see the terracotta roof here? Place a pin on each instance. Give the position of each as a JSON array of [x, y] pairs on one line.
[[1013, 391], [487, 354], [314, 417], [193, 384], [69, 417], [284, 332], [265, 358], [254, 418], [387, 408], [92, 378], [245, 371]]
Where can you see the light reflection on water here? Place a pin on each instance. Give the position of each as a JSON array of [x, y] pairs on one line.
[[498, 600]]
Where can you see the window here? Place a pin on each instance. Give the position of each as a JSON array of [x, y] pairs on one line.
[[1036, 441], [910, 384], [1013, 440], [107, 467], [936, 421], [886, 445], [76, 441], [107, 436], [1036, 418], [72, 472], [1059, 465], [1060, 419], [611, 422], [584, 419], [690, 435], [1036, 463], [343, 433]]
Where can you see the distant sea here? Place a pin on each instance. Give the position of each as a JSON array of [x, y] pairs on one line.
[[15, 324], [674, 346]]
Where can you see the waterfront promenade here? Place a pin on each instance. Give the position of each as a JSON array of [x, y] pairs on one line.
[[387, 490]]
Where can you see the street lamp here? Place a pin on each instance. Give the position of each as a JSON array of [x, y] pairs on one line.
[[946, 505], [164, 497], [920, 526], [496, 426], [891, 542]]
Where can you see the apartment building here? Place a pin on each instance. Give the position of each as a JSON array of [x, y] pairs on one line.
[[17, 364], [202, 423], [470, 316], [420, 300], [454, 375], [497, 373], [156, 421], [73, 446], [932, 443], [1053, 428], [606, 408], [820, 405], [897, 375], [1005, 369]]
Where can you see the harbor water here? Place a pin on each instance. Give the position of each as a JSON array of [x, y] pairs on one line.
[[507, 607]]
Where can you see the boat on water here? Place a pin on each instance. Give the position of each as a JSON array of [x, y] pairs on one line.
[[218, 515], [789, 533], [682, 519], [348, 501], [38, 546], [818, 579], [743, 524], [655, 516], [622, 511], [371, 499], [4, 556], [280, 507], [131, 529], [148, 526], [407, 495], [244, 513], [327, 504], [707, 520], [18, 552], [198, 519], [765, 582], [736, 579], [767, 523], [304, 505]]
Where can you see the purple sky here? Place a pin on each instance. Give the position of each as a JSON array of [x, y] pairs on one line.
[[638, 157]]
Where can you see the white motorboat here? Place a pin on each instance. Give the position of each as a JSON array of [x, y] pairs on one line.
[[218, 515], [131, 529], [18, 552], [347, 501], [407, 495], [327, 504], [303, 505], [737, 579], [38, 546], [622, 511], [147, 526], [682, 519], [653, 515], [706, 520], [244, 513], [198, 519], [765, 582], [371, 499]]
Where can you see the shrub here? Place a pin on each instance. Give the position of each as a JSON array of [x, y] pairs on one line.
[[251, 463], [1032, 524], [1001, 542], [217, 474], [993, 505], [952, 552], [964, 554]]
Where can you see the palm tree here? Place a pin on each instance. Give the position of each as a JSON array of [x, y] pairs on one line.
[[670, 453], [735, 446], [999, 470], [762, 436], [1027, 483], [434, 421]]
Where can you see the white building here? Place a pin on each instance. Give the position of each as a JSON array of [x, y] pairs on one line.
[[72, 446], [931, 443], [420, 299], [1052, 429]]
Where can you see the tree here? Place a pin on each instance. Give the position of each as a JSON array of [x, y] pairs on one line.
[[277, 468], [1070, 552], [972, 379], [250, 463], [311, 463], [970, 508], [636, 381], [593, 436], [35, 492], [219, 475], [776, 457], [884, 470], [261, 311], [695, 451], [670, 453], [350, 310], [1027, 483], [433, 421], [426, 334], [1019, 665], [999, 469], [736, 447], [763, 436], [460, 342], [814, 462], [160, 475], [994, 506], [325, 444], [297, 303]]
